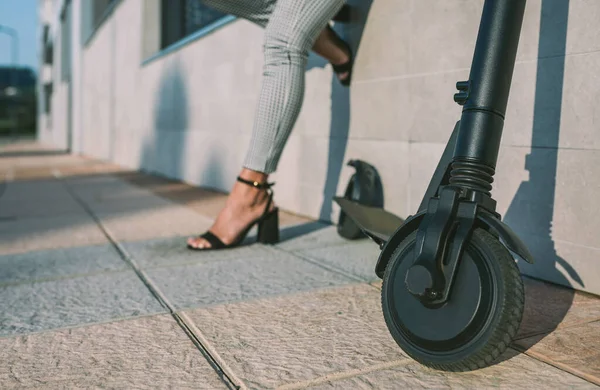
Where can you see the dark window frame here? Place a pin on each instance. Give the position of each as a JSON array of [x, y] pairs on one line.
[[47, 46], [99, 12], [66, 41], [177, 21], [48, 89]]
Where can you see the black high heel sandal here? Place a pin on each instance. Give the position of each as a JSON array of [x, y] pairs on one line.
[[347, 66], [268, 224], [344, 15]]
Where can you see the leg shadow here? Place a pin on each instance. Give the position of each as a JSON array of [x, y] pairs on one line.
[[340, 120], [163, 153]]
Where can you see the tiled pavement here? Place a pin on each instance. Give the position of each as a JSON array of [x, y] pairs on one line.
[[98, 290]]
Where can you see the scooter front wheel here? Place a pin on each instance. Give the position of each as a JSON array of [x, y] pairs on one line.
[[479, 320]]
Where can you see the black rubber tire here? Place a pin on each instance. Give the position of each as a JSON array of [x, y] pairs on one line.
[[503, 325]]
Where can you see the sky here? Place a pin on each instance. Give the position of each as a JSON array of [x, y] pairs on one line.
[[21, 15]]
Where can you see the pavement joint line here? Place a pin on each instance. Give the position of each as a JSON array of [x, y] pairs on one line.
[[213, 352], [10, 175], [322, 246], [220, 367], [196, 263], [58, 278], [68, 214], [8, 178], [563, 367], [559, 327], [79, 326], [346, 374], [378, 288], [327, 267], [269, 296], [199, 262]]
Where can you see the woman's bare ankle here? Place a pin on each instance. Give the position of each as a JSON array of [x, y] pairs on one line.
[[244, 204], [247, 195], [328, 46], [249, 174]]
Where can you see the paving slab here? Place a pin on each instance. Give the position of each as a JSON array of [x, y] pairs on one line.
[[116, 204], [59, 263], [29, 207], [51, 160], [218, 282], [358, 258], [378, 284], [575, 349], [147, 224], [90, 167], [32, 234], [48, 305], [207, 203], [110, 194], [101, 187], [286, 339], [34, 190], [204, 201], [173, 251], [150, 352], [310, 235], [36, 173], [549, 306], [519, 372], [10, 145], [74, 169]]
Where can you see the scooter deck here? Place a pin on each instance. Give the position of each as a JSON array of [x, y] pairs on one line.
[[375, 222]]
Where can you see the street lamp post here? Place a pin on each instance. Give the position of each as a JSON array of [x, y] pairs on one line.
[[15, 60], [15, 42]]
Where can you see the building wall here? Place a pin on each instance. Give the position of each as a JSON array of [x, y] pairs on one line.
[[54, 127], [46, 72], [189, 114]]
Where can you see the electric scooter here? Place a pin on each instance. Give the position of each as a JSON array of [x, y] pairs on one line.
[[452, 294]]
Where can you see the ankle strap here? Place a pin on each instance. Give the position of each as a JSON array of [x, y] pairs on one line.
[[260, 186]]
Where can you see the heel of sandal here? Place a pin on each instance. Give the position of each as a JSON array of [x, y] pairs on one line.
[[346, 67], [268, 228], [344, 15]]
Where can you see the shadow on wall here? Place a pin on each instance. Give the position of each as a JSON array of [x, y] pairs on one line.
[[340, 109], [530, 213], [340, 119], [164, 151]]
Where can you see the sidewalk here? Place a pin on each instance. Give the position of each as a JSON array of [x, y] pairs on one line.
[[97, 289]]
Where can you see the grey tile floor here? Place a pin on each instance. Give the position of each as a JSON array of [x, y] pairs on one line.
[[74, 313]]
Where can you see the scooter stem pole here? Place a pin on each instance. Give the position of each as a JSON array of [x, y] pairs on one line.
[[489, 82]]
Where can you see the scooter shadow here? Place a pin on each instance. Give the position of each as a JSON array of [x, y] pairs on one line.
[[530, 213]]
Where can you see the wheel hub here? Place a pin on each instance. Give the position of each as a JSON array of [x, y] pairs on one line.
[[455, 323]]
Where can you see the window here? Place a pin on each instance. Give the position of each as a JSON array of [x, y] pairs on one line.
[[93, 14], [181, 18], [99, 9], [47, 98], [47, 47], [65, 45]]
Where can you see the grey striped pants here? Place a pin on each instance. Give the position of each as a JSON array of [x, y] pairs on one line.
[[291, 28]]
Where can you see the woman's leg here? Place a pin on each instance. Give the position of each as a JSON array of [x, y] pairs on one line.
[[255, 11], [327, 44], [292, 30]]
